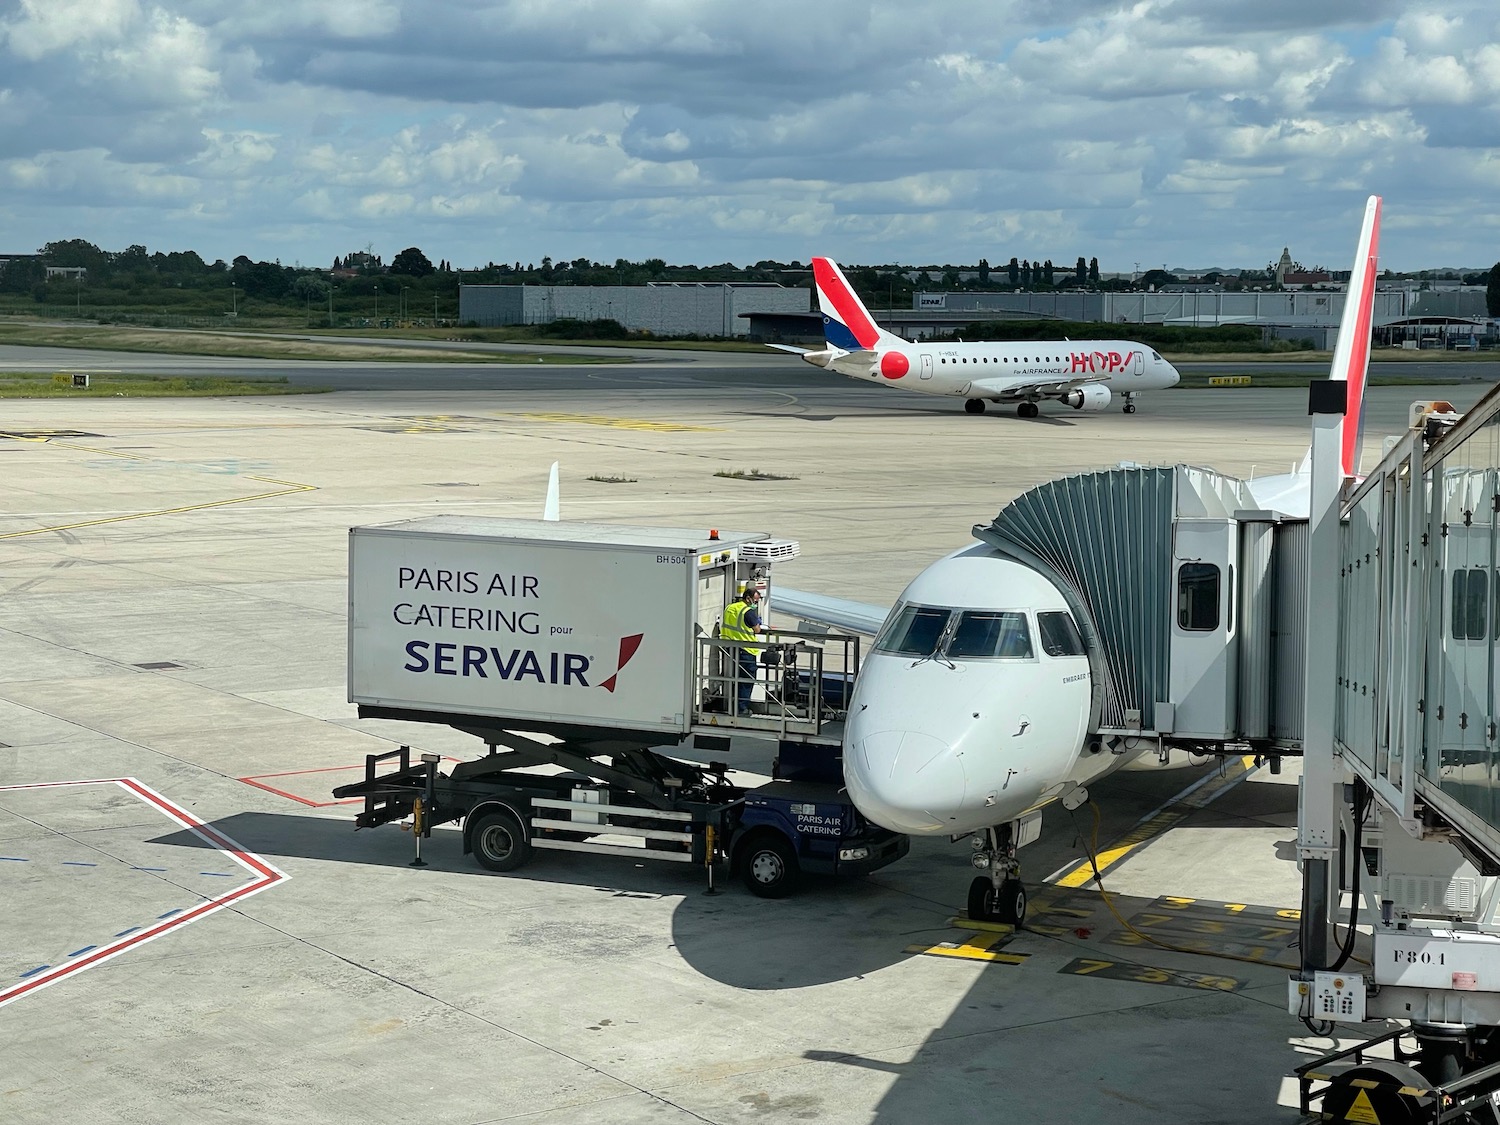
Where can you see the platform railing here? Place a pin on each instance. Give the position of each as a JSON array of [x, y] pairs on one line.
[[794, 682]]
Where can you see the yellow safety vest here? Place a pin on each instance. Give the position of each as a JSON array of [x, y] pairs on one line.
[[733, 627]]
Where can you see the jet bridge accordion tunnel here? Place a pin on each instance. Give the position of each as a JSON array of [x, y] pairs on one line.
[[1190, 599]]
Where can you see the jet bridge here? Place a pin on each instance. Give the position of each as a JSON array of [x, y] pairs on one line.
[[1399, 820], [1189, 596]]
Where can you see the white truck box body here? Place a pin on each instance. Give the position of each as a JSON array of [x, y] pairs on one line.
[[558, 621]]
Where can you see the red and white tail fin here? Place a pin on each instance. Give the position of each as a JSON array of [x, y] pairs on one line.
[[847, 324], [1351, 355]]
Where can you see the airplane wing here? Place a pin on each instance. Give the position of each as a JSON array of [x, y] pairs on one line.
[[838, 613], [1048, 386]]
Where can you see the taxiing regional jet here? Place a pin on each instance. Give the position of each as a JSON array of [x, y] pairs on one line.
[[1083, 374]]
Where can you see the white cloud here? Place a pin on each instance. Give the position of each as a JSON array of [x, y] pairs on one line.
[[480, 129]]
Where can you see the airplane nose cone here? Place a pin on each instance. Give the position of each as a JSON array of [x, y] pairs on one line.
[[1176, 375], [895, 777]]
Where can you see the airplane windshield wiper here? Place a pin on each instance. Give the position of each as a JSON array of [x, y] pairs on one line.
[[938, 655], [940, 646]]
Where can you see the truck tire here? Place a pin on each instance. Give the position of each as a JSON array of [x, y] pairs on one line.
[[768, 865], [499, 840]]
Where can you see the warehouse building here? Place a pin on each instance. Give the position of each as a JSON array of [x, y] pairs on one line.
[[663, 309]]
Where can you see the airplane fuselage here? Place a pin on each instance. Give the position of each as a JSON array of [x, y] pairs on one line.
[[987, 723], [1002, 372]]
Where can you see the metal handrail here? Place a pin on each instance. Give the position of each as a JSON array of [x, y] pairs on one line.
[[796, 694]]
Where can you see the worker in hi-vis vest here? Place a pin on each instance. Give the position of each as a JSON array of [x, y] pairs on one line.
[[742, 623]]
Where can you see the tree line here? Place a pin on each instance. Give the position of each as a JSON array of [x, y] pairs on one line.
[[184, 281]]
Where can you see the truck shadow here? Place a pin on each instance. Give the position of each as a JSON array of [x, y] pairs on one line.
[[834, 929]]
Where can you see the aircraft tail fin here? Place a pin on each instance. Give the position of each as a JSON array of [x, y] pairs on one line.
[[847, 324], [552, 506], [1351, 355]]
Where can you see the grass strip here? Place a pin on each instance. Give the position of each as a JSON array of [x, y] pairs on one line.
[[35, 384]]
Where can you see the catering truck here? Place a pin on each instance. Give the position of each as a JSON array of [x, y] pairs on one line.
[[586, 659]]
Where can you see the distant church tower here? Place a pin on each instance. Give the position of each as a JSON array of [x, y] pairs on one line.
[[1284, 266]]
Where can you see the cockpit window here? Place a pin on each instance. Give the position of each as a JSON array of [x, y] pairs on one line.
[[1059, 634], [968, 634], [1156, 357], [987, 632], [915, 631]]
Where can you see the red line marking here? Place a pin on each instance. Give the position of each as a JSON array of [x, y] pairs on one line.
[[265, 876], [256, 780], [309, 802]]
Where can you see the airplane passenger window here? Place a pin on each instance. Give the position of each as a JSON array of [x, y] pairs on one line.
[[1198, 597], [984, 632], [1059, 634], [915, 631]]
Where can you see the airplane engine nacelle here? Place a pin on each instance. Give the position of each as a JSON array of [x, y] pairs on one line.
[[1093, 398]]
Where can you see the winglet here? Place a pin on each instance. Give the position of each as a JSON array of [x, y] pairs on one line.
[[1351, 355], [552, 509]]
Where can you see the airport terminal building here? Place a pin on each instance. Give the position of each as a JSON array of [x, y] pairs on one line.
[[664, 309]]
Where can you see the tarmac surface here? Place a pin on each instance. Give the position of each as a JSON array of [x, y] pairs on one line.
[[173, 612]]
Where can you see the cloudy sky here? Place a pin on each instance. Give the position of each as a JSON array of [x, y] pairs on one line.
[[1188, 132]]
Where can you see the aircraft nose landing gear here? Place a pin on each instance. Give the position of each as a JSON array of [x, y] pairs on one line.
[[1129, 402], [998, 896]]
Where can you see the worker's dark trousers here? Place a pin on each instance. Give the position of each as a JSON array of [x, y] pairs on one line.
[[746, 685]]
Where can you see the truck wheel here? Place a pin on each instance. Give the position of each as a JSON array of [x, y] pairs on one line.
[[499, 841], [769, 867]]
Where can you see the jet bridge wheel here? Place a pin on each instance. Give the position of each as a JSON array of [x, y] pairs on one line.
[[974, 406], [499, 840], [1374, 1091], [1007, 905]]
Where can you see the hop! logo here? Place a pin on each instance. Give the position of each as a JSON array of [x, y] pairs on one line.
[[628, 647]]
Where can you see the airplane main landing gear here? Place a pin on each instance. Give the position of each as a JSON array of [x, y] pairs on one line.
[[1000, 895], [973, 406], [1028, 410], [1129, 402]]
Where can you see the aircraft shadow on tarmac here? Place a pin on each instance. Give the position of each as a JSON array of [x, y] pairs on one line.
[[833, 930], [1016, 1010], [730, 936], [905, 410]]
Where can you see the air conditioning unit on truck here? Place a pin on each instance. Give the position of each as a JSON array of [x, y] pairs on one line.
[[577, 653]]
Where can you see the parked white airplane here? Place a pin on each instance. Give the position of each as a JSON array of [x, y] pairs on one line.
[[1083, 374], [972, 710]]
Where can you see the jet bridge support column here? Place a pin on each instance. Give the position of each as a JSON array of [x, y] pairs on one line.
[[1317, 839]]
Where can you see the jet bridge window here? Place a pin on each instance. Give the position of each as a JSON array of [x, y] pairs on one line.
[[915, 631], [1198, 597], [1470, 598], [986, 632], [1059, 634]]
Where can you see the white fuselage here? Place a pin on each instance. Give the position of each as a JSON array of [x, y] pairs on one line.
[[1002, 370], [948, 742]]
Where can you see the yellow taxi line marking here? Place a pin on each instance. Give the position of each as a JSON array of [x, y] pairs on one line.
[[289, 488], [619, 423], [1197, 795], [968, 952]]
